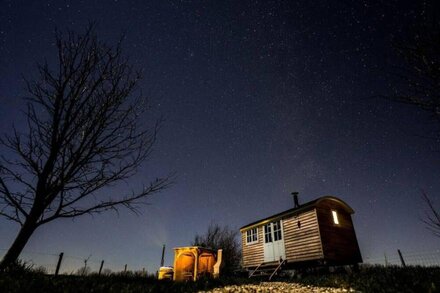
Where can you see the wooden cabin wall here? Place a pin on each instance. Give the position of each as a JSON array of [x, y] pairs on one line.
[[252, 254], [302, 243], [339, 241]]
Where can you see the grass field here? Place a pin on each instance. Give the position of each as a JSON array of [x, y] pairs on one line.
[[367, 279], [380, 279]]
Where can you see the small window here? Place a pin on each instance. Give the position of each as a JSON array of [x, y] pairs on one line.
[[335, 217], [268, 233], [277, 231], [251, 236]]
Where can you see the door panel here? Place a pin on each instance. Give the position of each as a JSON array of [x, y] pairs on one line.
[[268, 243], [274, 242]]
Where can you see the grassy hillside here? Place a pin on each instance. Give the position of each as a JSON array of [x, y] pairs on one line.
[[367, 279]]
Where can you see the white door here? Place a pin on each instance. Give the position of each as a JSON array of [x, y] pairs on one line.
[[274, 242]]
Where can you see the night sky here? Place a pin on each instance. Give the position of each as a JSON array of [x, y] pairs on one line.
[[261, 98]]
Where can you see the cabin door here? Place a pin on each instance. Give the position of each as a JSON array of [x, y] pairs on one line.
[[274, 242]]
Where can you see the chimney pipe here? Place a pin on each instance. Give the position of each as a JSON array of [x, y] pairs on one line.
[[295, 199]]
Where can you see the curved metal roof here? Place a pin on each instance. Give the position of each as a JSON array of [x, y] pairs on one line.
[[302, 208]]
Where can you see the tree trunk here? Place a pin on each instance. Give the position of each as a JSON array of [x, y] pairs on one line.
[[19, 243]]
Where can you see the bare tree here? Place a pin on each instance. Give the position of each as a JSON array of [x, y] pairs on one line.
[[432, 218], [419, 85], [419, 73], [218, 237], [83, 134]]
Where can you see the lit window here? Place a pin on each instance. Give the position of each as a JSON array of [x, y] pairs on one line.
[[335, 217], [251, 236]]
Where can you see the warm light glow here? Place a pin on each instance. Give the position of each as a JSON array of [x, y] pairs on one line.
[[335, 217]]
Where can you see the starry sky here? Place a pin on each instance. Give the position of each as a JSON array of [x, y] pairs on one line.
[[261, 98]]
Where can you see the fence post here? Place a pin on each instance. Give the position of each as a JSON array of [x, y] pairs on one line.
[[163, 256], [401, 258], [125, 269], [60, 259], [100, 268]]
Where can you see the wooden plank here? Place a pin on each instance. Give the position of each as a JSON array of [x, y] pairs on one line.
[[304, 242], [339, 240], [294, 245], [304, 258], [252, 254], [304, 255], [312, 249], [304, 251], [302, 228]]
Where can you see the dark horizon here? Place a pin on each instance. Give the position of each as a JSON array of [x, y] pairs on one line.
[[260, 100]]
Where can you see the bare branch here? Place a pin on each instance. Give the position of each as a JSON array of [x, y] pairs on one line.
[[432, 219], [84, 133], [10, 198]]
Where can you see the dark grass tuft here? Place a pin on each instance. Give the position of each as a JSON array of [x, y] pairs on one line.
[[34, 282], [378, 279]]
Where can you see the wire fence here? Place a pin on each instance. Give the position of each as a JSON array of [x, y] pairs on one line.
[[73, 265], [403, 258], [70, 264]]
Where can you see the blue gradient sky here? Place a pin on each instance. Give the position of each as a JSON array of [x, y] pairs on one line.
[[261, 98]]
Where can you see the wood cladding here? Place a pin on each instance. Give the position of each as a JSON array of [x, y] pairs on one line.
[[253, 254], [309, 233], [300, 244], [339, 240], [302, 241]]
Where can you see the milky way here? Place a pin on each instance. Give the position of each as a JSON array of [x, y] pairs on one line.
[[261, 98]]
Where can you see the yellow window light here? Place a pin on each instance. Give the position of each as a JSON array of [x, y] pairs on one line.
[[335, 217]]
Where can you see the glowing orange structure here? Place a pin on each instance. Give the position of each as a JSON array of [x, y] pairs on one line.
[[194, 261]]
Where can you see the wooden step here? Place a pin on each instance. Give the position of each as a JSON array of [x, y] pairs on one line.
[[267, 269]]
